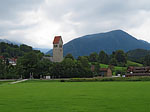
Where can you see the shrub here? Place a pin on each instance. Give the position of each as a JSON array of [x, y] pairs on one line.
[[108, 79]]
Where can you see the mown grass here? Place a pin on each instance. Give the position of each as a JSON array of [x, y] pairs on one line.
[[131, 63], [35, 96], [104, 66], [5, 81]]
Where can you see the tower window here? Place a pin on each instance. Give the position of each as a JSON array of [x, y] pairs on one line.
[[55, 45]]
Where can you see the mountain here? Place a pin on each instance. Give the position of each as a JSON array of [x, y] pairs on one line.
[[109, 42], [5, 41]]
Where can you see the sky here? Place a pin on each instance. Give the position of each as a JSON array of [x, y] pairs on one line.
[[36, 22]]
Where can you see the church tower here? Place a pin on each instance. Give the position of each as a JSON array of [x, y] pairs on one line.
[[57, 49]]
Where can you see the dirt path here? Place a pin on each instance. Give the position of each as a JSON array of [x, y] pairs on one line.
[[19, 81]]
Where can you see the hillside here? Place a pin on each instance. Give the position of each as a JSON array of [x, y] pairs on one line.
[[10, 50], [43, 50], [109, 42], [137, 54]]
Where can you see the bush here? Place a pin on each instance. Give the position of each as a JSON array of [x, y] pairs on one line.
[[108, 79]]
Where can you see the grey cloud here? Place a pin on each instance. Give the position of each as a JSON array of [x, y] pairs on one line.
[[98, 15], [9, 9], [86, 16], [118, 12], [10, 12]]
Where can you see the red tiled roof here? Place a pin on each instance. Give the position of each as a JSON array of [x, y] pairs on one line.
[[56, 39], [14, 59], [103, 69], [1, 57]]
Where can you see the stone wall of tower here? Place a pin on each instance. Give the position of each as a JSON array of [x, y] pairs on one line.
[[58, 51]]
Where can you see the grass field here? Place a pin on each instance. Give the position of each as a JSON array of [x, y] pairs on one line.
[[39, 96], [131, 63], [5, 82]]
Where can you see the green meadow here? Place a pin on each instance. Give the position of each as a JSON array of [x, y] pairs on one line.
[[45, 96], [5, 82]]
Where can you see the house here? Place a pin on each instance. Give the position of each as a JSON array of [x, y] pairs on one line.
[[138, 71], [106, 72], [2, 58], [92, 68], [12, 61], [103, 72]]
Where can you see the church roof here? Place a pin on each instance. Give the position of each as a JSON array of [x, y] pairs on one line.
[[56, 39]]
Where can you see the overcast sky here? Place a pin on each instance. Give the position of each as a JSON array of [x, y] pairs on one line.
[[36, 22]]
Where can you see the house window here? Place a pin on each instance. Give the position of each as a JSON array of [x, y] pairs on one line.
[[60, 46], [55, 45]]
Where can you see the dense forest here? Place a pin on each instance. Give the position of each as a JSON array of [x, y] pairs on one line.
[[30, 63], [10, 50]]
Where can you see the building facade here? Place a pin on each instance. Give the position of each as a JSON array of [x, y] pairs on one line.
[[102, 72], [58, 49], [106, 72], [138, 71]]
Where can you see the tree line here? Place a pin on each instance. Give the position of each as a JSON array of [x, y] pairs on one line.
[[117, 58], [31, 63]]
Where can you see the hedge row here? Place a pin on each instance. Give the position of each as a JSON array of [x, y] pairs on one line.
[[107, 79]]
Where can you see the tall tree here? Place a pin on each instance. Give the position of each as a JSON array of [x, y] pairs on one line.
[[83, 67], [93, 57], [69, 67], [2, 68], [84, 61], [103, 57], [121, 57], [43, 67], [113, 61], [29, 63], [146, 60], [69, 56]]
